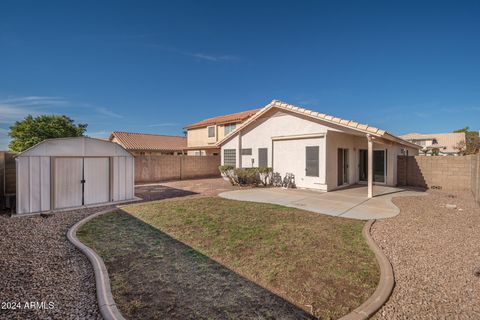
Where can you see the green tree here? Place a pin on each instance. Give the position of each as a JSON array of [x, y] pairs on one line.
[[472, 143], [30, 131]]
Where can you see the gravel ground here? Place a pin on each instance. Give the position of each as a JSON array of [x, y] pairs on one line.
[[435, 253], [38, 264]]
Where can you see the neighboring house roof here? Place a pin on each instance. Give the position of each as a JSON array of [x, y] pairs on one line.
[[364, 128], [229, 118], [149, 142], [447, 140]]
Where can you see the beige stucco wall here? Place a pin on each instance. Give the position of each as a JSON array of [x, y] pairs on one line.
[[199, 136], [354, 144]]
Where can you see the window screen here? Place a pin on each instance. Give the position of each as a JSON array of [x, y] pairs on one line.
[[262, 157], [312, 161], [246, 152], [211, 132], [229, 157], [229, 128]]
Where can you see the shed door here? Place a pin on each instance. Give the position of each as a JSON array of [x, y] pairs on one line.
[[97, 180], [68, 182]]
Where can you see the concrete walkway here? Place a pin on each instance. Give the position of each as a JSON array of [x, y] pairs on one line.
[[351, 202]]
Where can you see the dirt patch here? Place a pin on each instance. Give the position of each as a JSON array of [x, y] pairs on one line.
[[318, 263], [434, 248], [184, 188], [156, 276]]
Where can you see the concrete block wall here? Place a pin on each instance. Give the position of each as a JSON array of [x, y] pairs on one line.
[[447, 173], [158, 168], [475, 183]]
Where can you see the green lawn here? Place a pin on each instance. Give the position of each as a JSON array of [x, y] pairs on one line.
[[319, 263]]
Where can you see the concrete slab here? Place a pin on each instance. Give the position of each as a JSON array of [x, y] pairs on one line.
[[349, 202]]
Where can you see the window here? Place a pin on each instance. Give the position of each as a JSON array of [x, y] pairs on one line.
[[262, 157], [229, 128], [211, 131], [246, 152], [229, 157], [312, 156]]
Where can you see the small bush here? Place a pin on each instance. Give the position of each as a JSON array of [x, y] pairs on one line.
[[229, 173], [248, 176]]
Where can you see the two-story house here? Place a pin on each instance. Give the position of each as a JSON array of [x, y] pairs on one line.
[[442, 144], [203, 136]]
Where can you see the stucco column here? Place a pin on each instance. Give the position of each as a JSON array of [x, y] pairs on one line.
[[370, 166], [239, 151]]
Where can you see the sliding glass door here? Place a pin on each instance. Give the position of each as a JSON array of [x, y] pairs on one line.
[[379, 165]]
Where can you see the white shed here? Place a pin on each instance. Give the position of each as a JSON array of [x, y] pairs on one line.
[[73, 172]]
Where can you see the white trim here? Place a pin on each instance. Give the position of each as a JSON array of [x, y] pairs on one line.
[[299, 136]]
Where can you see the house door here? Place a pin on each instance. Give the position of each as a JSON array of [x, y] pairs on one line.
[[379, 166], [342, 166]]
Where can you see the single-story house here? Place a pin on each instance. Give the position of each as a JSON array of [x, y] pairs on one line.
[[443, 144], [323, 152], [149, 144]]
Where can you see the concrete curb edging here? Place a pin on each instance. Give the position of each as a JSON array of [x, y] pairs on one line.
[[385, 285], [108, 308]]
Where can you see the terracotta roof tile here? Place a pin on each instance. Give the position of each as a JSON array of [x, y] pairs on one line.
[[235, 117], [343, 122], [153, 142]]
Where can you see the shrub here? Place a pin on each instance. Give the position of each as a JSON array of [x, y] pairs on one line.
[[229, 173], [248, 176]]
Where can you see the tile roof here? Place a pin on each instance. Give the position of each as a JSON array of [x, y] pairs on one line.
[[447, 140], [235, 117], [151, 142], [365, 128]]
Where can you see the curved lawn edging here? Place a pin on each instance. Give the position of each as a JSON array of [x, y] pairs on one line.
[[385, 285], [107, 305]]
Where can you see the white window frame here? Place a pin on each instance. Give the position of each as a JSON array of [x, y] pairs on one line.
[[229, 127], [208, 131]]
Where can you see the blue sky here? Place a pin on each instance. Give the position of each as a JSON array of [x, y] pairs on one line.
[[156, 66]]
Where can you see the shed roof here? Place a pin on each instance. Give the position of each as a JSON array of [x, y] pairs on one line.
[[150, 142], [75, 147], [363, 128], [229, 118]]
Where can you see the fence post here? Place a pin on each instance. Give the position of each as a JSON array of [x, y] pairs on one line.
[[477, 180], [181, 167]]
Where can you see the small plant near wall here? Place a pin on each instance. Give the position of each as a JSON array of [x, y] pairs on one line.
[[228, 172], [248, 176]]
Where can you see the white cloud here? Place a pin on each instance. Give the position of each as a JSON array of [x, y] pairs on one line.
[[212, 57], [165, 124], [107, 112], [12, 113]]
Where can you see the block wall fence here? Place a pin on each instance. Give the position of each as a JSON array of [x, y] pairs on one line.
[[157, 168], [460, 173]]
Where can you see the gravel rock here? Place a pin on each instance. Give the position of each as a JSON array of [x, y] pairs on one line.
[[433, 251], [38, 264]]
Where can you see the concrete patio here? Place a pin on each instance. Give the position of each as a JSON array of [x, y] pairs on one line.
[[351, 202]]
